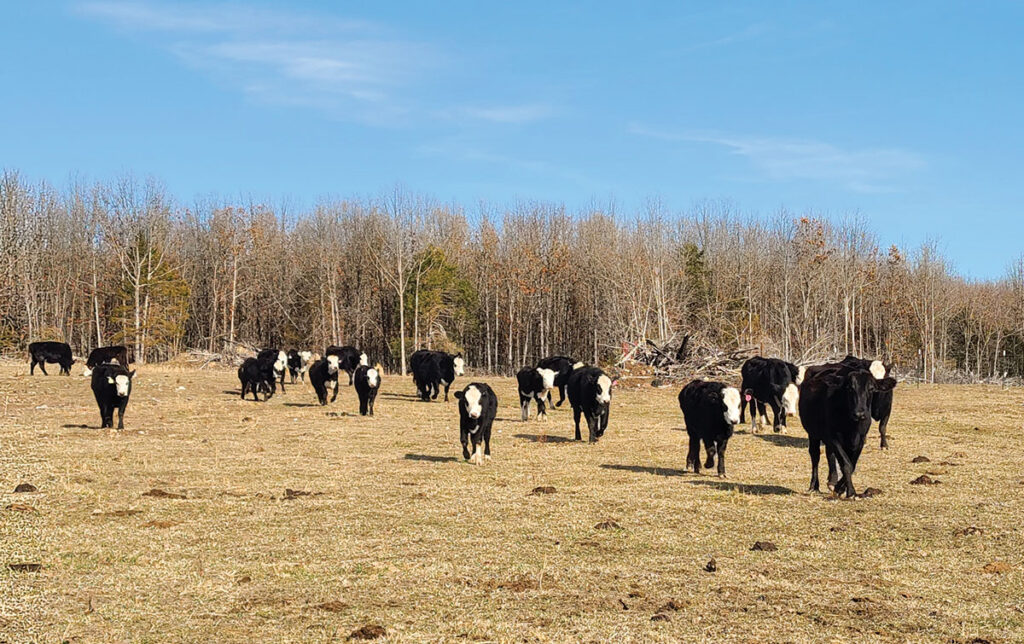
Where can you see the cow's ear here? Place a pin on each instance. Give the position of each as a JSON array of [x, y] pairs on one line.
[[885, 384], [131, 374], [615, 382], [458, 394], [110, 380]]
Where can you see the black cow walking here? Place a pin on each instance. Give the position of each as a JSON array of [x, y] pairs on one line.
[[43, 352], [477, 408], [278, 362], [99, 355], [562, 366], [324, 374], [835, 409], [711, 411], [534, 384], [367, 381], [257, 377], [348, 359], [590, 394], [112, 385], [881, 401], [432, 369], [773, 382]]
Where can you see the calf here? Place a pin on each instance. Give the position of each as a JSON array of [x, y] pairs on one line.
[[711, 411], [536, 384], [771, 381], [348, 359], [100, 355], [477, 408], [881, 401], [112, 385], [43, 352], [278, 360], [324, 374], [562, 366], [431, 369], [590, 394], [298, 364], [367, 381], [256, 376], [835, 409]]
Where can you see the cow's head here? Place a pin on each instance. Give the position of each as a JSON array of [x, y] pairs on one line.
[[281, 362], [547, 377], [460, 365], [731, 401], [372, 378], [790, 398], [332, 364], [859, 386], [122, 383], [470, 399], [305, 356], [604, 390]]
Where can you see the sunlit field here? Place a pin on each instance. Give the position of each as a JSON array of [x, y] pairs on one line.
[[182, 526]]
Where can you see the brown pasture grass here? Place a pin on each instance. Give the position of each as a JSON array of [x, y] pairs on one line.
[[385, 524]]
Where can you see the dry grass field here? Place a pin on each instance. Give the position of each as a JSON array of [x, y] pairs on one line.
[[398, 531]]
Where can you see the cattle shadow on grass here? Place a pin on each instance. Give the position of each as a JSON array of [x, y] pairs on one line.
[[430, 458], [783, 440], [74, 426], [388, 394], [643, 469], [301, 405], [759, 490], [544, 438]]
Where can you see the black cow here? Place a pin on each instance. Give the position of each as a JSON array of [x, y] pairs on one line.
[[257, 377], [562, 366], [43, 352], [477, 408], [298, 364], [367, 381], [324, 374], [100, 355], [278, 362], [348, 359], [772, 381], [112, 385], [835, 409], [590, 394], [881, 401], [711, 411], [431, 369], [534, 384]]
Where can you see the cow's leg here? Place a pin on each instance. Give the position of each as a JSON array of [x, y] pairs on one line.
[[833, 468], [762, 414], [464, 439], [693, 454], [42, 367], [753, 415], [561, 395], [487, 445], [846, 465], [743, 407], [373, 398], [593, 426], [604, 420], [120, 414], [524, 407], [722, 444], [576, 419], [709, 447], [350, 375], [32, 366], [542, 413], [335, 396], [777, 413], [243, 391], [446, 386], [814, 447], [363, 404], [282, 382]]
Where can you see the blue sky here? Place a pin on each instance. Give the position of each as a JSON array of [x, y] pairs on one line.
[[907, 115]]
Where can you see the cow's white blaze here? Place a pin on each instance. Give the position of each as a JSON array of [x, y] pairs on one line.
[[604, 389], [801, 371], [281, 362], [121, 382], [577, 365], [790, 397], [305, 357], [460, 366], [547, 376], [332, 364], [363, 360], [372, 377], [877, 369], [472, 398], [731, 399]]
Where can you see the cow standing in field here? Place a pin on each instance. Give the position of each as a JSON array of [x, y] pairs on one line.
[[367, 382], [711, 411], [773, 382], [42, 352], [432, 369], [348, 359], [835, 409], [534, 384], [562, 366], [111, 385], [298, 364], [278, 361], [324, 374], [590, 394], [477, 408], [256, 376], [100, 355], [881, 401]]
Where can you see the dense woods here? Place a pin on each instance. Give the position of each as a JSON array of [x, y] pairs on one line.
[[125, 262]]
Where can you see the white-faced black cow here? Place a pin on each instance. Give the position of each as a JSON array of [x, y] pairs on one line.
[[112, 385], [367, 381], [100, 355], [562, 366], [711, 411], [298, 364], [590, 394], [348, 359], [278, 361], [881, 401], [257, 377], [432, 369], [534, 384], [835, 409], [772, 381], [324, 374], [477, 408], [43, 352]]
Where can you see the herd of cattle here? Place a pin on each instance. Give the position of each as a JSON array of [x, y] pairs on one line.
[[836, 402]]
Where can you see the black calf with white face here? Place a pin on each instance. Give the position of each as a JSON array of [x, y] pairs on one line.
[[367, 381], [278, 363], [112, 386], [477, 408], [100, 355], [562, 366], [323, 375], [590, 394], [711, 411], [349, 358], [881, 401], [298, 364], [772, 382], [534, 384], [431, 369]]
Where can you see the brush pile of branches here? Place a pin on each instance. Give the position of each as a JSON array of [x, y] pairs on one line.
[[684, 359]]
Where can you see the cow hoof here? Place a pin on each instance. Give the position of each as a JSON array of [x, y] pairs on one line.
[[487, 457]]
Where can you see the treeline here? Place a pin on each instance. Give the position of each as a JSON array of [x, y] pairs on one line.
[[126, 263]]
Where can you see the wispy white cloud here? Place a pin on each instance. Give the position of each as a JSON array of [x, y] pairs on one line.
[[503, 113], [783, 159]]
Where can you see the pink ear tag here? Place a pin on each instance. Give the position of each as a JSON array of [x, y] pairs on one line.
[[747, 397]]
